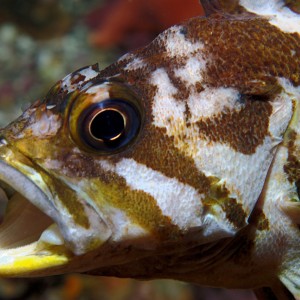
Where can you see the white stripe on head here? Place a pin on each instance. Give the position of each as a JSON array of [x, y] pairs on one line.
[[278, 14], [212, 101], [177, 44], [136, 63], [165, 106], [72, 81], [191, 73]]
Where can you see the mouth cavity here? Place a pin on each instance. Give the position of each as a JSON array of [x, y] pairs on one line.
[[22, 223]]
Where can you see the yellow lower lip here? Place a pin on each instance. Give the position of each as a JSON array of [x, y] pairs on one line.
[[20, 266], [37, 258]]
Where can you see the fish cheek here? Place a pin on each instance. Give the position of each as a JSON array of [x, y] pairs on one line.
[[139, 206]]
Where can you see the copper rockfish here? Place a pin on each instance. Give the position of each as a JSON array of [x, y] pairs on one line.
[[181, 160]]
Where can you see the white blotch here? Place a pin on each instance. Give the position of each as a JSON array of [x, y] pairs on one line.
[[179, 201], [88, 73], [177, 44], [165, 106], [212, 101], [126, 56], [192, 71], [136, 63], [47, 125], [275, 10], [244, 175]]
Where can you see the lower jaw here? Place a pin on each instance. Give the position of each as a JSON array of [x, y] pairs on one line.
[[30, 242]]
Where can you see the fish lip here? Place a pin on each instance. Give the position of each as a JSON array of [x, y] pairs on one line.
[[27, 188], [38, 256]]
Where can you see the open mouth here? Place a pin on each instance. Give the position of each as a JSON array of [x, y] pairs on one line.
[[30, 241], [22, 223]]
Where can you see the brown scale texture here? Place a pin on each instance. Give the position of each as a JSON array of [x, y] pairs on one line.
[[156, 151], [219, 195], [259, 220], [234, 212], [244, 130], [141, 207], [246, 51]]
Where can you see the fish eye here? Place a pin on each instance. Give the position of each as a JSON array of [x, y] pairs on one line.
[[109, 125], [107, 119]]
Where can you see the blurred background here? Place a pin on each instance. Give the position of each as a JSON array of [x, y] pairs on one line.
[[40, 42]]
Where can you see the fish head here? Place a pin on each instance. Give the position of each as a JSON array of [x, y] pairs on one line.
[[167, 149]]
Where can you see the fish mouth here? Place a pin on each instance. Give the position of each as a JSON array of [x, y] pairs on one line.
[[30, 241]]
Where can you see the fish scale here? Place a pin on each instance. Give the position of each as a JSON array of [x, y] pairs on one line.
[[194, 173]]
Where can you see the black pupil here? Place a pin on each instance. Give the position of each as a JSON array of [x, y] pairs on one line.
[[107, 125]]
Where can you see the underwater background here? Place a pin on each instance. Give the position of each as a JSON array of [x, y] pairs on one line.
[[40, 42]]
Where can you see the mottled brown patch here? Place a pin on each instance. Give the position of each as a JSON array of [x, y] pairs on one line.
[[245, 51], [244, 130], [144, 209], [69, 199], [77, 79], [292, 166], [139, 206], [183, 91], [234, 212], [259, 220], [219, 195], [187, 114], [199, 87], [157, 151]]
